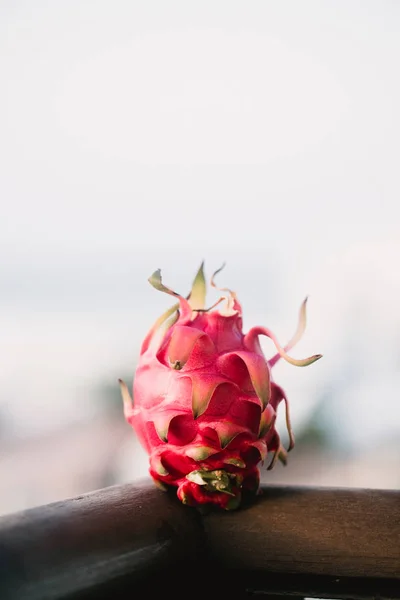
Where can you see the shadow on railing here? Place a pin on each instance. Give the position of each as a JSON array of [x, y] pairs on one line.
[[124, 541]]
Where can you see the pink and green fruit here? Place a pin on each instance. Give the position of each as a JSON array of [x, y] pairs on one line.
[[205, 402]]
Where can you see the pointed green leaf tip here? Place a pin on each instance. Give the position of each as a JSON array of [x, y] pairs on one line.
[[197, 296], [282, 352], [158, 467], [162, 324], [236, 462], [267, 420], [126, 398], [156, 281], [203, 387], [250, 339], [161, 424], [199, 453], [257, 368], [227, 431]]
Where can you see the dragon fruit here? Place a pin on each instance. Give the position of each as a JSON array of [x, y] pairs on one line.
[[205, 404]]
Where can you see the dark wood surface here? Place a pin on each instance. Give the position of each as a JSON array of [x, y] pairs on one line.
[[129, 531], [134, 540], [351, 533]]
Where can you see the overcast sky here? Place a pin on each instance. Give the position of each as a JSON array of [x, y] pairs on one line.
[[198, 123], [138, 135]]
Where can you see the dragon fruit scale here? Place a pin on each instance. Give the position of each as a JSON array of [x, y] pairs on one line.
[[205, 403]]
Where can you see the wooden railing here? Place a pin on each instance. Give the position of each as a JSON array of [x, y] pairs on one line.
[[133, 540]]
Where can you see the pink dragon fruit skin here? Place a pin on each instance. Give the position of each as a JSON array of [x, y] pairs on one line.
[[205, 404]]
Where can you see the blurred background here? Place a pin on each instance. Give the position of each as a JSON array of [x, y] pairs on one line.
[[138, 135]]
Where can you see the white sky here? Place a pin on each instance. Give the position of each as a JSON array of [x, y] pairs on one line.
[[151, 123], [138, 135]]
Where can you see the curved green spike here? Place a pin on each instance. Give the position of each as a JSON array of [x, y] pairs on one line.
[[156, 281], [163, 323], [258, 372], [301, 326], [227, 431], [199, 453], [215, 274], [203, 388], [304, 362], [251, 338], [197, 296], [273, 461], [288, 421], [280, 453], [282, 456], [261, 446], [233, 304], [168, 313], [157, 466], [161, 424], [126, 398], [266, 421], [259, 375], [236, 462]]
